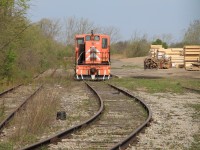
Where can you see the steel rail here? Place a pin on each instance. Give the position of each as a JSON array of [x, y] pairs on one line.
[[191, 89], [7, 119], [127, 141], [62, 134], [11, 115], [9, 90]]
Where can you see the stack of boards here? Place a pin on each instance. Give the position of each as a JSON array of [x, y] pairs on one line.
[[192, 57], [176, 54], [187, 57]]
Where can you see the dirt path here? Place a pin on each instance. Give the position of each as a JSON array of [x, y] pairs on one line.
[[133, 67]]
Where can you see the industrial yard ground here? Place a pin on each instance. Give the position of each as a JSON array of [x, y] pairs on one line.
[[176, 111]]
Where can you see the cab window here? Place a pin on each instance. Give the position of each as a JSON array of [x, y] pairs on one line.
[[80, 41], [96, 38], [88, 38], [104, 43]]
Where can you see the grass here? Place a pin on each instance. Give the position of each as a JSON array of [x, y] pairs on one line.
[[162, 86], [151, 85], [34, 120], [132, 66], [6, 146], [192, 83], [196, 144]]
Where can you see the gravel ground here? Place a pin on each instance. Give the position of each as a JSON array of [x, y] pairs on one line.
[[173, 126]]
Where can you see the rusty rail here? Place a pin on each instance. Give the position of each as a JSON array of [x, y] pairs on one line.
[[66, 132], [191, 89], [11, 115], [9, 90], [119, 146], [125, 143]]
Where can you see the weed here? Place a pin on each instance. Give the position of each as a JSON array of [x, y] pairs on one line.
[[6, 146], [150, 85], [35, 119], [132, 66], [196, 144]]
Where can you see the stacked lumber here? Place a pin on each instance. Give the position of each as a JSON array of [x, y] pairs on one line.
[[191, 57], [176, 55], [154, 49]]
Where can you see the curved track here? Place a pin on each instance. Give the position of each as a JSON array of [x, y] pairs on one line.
[[62, 134], [123, 117]]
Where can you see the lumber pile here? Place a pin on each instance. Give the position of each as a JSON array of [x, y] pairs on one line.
[[192, 57], [157, 58], [174, 54], [150, 63]]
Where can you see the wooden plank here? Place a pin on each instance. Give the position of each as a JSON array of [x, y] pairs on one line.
[[191, 46], [156, 46], [177, 49], [191, 58]]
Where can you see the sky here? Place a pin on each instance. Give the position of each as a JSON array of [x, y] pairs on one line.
[[153, 18]]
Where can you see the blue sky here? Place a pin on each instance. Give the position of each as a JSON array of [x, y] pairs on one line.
[[151, 17]]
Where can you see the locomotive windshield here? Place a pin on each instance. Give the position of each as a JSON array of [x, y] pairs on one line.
[[87, 38], [96, 38], [80, 41]]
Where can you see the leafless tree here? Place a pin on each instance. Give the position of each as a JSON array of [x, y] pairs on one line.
[[113, 32], [50, 28], [75, 26], [82, 26]]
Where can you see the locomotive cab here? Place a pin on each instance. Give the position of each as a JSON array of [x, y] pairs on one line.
[[92, 56]]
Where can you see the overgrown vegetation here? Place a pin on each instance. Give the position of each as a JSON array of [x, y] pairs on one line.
[[155, 85], [34, 120], [136, 47], [196, 143], [26, 48]]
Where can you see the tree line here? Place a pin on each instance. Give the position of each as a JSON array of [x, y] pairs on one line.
[[28, 48]]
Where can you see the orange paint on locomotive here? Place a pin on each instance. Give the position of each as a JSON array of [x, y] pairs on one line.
[[92, 55]]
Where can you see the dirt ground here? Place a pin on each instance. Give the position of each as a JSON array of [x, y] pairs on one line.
[[173, 125], [133, 67]]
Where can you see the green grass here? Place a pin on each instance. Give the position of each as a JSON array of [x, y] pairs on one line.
[[150, 85], [196, 143], [192, 83], [132, 66], [6, 146]]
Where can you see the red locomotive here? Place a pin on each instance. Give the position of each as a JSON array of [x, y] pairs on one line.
[[92, 56]]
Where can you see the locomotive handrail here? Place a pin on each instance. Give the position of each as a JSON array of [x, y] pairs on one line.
[[79, 57]]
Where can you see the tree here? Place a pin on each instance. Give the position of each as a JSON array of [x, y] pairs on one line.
[[160, 42], [113, 32], [83, 26], [77, 26], [50, 28], [192, 35]]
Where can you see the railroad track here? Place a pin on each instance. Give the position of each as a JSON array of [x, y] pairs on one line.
[[13, 100], [120, 117], [191, 89]]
